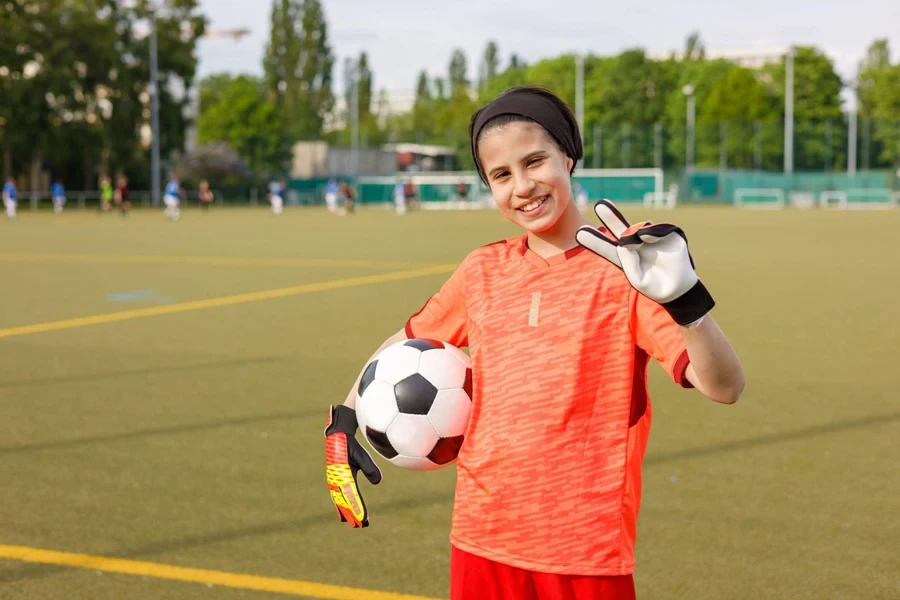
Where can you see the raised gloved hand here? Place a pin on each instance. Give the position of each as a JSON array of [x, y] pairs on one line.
[[654, 258]]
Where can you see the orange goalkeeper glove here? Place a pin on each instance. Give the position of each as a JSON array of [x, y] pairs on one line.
[[344, 458]]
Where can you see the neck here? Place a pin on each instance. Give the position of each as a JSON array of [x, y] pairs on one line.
[[560, 237]]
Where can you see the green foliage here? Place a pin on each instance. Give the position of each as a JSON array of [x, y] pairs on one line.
[[298, 66], [238, 111], [878, 89]]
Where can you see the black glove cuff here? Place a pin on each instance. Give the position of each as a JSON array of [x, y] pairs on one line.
[[343, 419], [691, 305]]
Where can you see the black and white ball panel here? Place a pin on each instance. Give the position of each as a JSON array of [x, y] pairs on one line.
[[368, 377], [379, 409], [414, 395], [412, 435], [442, 373], [424, 344], [380, 442], [449, 414], [396, 363]]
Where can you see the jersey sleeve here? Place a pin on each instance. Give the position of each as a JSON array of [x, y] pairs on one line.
[[444, 316], [657, 334]]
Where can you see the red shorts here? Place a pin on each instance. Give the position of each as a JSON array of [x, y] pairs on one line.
[[476, 578]]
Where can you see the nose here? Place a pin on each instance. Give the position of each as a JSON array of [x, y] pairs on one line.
[[524, 185]]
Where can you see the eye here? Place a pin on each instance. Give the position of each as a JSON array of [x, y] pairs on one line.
[[500, 175], [536, 160]]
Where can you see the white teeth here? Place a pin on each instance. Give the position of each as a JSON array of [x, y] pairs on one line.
[[533, 205]]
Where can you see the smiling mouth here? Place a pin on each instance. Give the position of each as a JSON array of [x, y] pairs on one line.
[[533, 205]]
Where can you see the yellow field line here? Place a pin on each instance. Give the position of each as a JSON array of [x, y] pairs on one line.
[[231, 580], [296, 290], [203, 260]]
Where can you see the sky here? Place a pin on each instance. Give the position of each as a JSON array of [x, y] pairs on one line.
[[402, 37]]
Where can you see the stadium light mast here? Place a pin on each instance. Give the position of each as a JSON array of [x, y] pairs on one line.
[[789, 112], [154, 114], [579, 93], [688, 91], [354, 119], [851, 142]]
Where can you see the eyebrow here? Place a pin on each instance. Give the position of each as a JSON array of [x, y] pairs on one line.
[[525, 159]]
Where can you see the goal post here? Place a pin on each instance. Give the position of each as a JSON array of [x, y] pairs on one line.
[[771, 198]]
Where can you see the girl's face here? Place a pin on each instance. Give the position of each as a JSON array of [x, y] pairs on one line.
[[528, 174]]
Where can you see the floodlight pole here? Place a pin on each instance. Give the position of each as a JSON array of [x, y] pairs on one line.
[[789, 113], [851, 144], [688, 91], [154, 115], [354, 120]]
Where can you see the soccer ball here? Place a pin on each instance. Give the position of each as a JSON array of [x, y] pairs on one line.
[[413, 403]]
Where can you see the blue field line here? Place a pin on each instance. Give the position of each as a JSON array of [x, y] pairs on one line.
[[141, 296]]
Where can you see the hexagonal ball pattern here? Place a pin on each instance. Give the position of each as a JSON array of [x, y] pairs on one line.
[[379, 442], [396, 363], [449, 414], [414, 395], [377, 407], [412, 435], [443, 369], [459, 354]]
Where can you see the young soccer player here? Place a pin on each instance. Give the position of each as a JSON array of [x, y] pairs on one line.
[[331, 196], [205, 195], [276, 200], [561, 322], [9, 198], [106, 194], [122, 196], [58, 194], [400, 198], [172, 199]]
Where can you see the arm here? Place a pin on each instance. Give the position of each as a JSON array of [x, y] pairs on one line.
[[351, 397], [715, 369]]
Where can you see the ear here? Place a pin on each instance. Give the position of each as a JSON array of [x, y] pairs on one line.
[[569, 163]]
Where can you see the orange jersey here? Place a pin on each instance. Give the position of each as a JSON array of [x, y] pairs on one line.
[[549, 475]]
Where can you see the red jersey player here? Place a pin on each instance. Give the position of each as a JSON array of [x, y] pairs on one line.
[[561, 323]]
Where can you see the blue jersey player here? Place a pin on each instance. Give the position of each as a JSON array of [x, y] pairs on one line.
[[172, 199], [58, 194], [9, 198]]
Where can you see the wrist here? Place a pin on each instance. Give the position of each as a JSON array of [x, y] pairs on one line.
[[690, 307]]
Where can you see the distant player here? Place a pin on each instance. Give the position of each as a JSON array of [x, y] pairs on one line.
[[172, 199], [106, 194], [58, 193], [276, 197], [581, 197], [349, 197], [331, 196], [561, 322], [9, 198], [409, 191], [205, 195], [400, 198], [122, 196], [462, 191]]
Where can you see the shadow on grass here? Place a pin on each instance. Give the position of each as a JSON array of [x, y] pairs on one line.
[[32, 572], [775, 438], [159, 431], [122, 374]]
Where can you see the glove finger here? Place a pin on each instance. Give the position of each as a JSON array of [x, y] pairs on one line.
[[347, 516], [650, 233], [599, 244], [363, 460], [610, 216]]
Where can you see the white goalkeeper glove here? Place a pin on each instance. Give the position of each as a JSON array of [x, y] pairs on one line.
[[655, 259]]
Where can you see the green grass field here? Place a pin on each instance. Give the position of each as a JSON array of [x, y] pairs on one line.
[[190, 435]]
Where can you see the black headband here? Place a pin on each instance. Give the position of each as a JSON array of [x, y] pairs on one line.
[[539, 109]]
